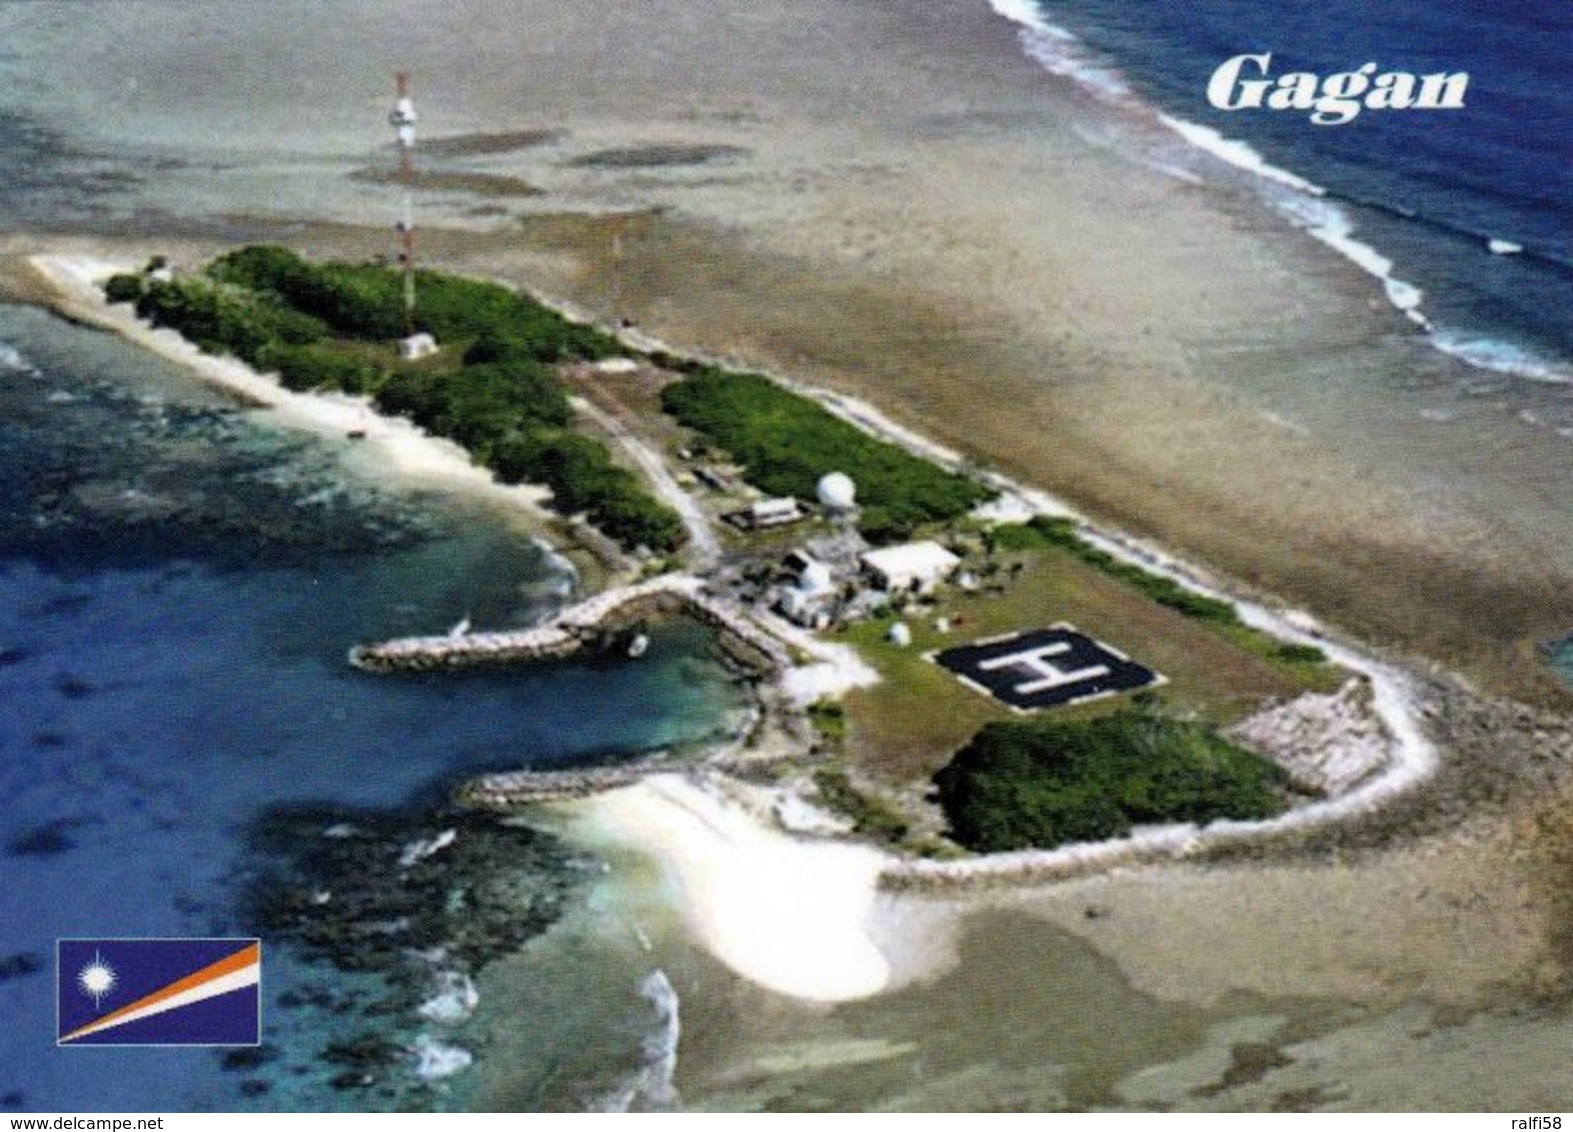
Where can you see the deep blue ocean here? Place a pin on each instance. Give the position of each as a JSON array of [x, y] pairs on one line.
[[179, 583], [1425, 190]]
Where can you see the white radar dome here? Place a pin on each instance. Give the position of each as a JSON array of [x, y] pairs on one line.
[[837, 492]]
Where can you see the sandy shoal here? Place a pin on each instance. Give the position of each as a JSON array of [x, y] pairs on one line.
[[792, 916]]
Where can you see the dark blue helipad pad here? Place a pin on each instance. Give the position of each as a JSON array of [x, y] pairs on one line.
[[1045, 668]]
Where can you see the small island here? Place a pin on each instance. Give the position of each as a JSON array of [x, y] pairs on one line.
[[812, 544]]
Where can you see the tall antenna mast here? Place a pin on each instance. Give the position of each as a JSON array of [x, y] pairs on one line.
[[402, 119]]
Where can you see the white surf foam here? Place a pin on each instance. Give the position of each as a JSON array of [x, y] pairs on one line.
[[1325, 221], [1502, 357], [660, 1045], [436, 1060], [1062, 52], [453, 1001], [1239, 154], [420, 848], [653, 1081]]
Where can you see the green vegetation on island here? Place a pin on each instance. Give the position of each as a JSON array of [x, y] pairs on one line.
[[493, 390], [1047, 531], [870, 816], [1041, 784], [786, 442], [1044, 530]]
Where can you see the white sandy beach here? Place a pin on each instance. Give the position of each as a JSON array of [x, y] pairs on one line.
[[391, 444], [791, 915], [745, 888]]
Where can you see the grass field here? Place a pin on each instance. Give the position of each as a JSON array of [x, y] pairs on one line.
[[907, 726]]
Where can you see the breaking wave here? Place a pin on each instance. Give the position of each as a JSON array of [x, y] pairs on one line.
[[1305, 203], [1501, 357], [653, 1082]]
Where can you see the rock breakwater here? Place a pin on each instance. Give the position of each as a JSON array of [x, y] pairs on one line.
[[582, 626]]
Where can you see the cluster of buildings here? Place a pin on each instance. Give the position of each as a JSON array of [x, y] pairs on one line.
[[819, 593], [835, 576], [840, 578]]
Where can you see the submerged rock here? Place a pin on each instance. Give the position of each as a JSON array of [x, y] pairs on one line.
[[420, 902]]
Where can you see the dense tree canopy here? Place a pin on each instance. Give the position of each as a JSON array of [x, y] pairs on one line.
[[1041, 784], [316, 325], [786, 443]]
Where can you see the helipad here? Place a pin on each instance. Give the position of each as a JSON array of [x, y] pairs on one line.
[[1044, 668]]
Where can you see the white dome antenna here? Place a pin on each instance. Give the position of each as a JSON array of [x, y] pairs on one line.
[[837, 493]]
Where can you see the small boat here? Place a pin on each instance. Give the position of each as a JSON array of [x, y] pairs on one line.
[[356, 434], [1503, 247], [461, 628], [638, 646]]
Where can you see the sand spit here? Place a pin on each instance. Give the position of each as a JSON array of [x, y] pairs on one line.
[[790, 915]]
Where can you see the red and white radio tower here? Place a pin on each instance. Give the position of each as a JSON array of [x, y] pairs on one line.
[[402, 119]]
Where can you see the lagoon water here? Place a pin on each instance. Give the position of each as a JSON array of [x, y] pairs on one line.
[[179, 583]]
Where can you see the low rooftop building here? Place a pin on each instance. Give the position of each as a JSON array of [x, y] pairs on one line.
[[914, 566], [417, 346], [774, 512]]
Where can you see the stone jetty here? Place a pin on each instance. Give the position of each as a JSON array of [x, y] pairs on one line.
[[509, 789], [584, 625]]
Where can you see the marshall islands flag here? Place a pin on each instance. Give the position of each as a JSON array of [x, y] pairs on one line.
[[159, 992]]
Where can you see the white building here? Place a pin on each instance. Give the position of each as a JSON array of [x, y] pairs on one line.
[[811, 597], [417, 346], [914, 566], [774, 512]]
